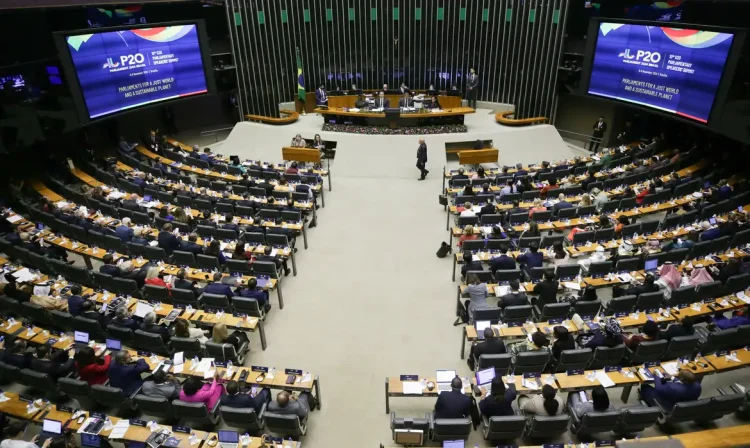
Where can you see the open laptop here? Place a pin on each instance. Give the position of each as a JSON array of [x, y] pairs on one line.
[[50, 429], [228, 439], [81, 338], [651, 265], [444, 378], [113, 344], [480, 325], [453, 444], [485, 377]]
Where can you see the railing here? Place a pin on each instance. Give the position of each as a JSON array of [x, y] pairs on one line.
[[215, 132], [575, 138]]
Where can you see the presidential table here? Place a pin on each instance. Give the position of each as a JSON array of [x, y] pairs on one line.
[[419, 117]]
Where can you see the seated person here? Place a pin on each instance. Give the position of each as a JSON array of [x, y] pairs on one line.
[[123, 319], [181, 283], [684, 328], [514, 297], [125, 372], [234, 398], [217, 287], [251, 291], [154, 277], [89, 312], [563, 341], [149, 325], [55, 364], [289, 404], [182, 329], [533, 258], [453, 404], [538, 342], [191, 245], [14, 291], [161, 385], [608, 335], [502, 261], [220, 335], [470, 264], [499, 402], [737, 319], [43, 298], [15, 432], [666, 393], [468, 234], [546, 289], [649, 332], [648, 285], [194, 391], [16, 355], [491, 345], [280, 263], [596, 401], [109, 267], [91, 368], [75, 300], [546, 403]]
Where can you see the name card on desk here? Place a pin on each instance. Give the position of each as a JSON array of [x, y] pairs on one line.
[[515, 324], [182, 429], [682, 306], [65, 409], [722, 353], [409, 377], [143, 353], [259, 369], [599, 275], [293, 371], [98, 415], [605, 443], [652, 311], [25, 398], [507, 446], [553, 445], [220, 364], [555, 321], [179, 306], [532, 375], [240, 315], [621, 314], [136, 422], [612, 368], [573, 372], [651, 364], [51, 341]]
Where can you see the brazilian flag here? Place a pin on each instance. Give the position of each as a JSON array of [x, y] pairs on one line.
[[300, 78]]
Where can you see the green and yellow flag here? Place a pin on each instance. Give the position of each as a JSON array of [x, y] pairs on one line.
[[300, 78]]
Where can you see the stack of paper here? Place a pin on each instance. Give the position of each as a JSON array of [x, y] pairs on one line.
[[604, 379], [670, 368], [530, 383], [204, 365], [412, 387], [141, 309], [14, 219], [118, 432], [24, 275]]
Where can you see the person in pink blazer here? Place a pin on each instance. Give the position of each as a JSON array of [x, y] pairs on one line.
[[194, 391]]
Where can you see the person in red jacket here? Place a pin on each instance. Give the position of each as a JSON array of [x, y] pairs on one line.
[[91, 368]]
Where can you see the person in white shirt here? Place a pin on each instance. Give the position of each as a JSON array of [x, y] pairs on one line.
[[13, 434], [468, 211], [509, 189]]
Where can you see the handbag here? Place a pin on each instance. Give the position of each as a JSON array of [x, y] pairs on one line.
[[443, 200], [444, 250]]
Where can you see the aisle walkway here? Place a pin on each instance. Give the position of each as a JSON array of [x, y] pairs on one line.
[[371, 300]]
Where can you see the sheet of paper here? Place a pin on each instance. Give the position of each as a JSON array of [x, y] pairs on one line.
[[209, 374], [3, 398], [572, 285], [274, 252], [502, 290], [14, 219], [118, 432], [141, 309], [530, 384], [178, 369], [412, 387], [179, 358], [604, 379], [23, 275], [204, 364], [742, 296], [644, 374], [670, 368]]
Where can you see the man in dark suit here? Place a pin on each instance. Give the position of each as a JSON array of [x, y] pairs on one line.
[[600, 127], [422, 159], [453, 404], [217, 287], [488, 208], [109, 266], [55, 364], [406, 100], [278, 262], [16, 355], [181, 283], [207, 156], [684, 328], [668, 393], [514, 297], [459, 176], [546, 289], [321, 99], [251, 291], [167, 240], [382, 101], [471, 84], [123, 231], [235, 399], [502, 262], [152, 140], [470, 264], [129, 203], [89, 312], [191, 246], [75, 301], [125, 372], [561, 205], [149, 325], [490, 346]]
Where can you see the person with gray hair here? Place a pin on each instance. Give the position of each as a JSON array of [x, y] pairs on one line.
[[150, 325], [162, 385], [123, 231], [122, 319], [125, 372]]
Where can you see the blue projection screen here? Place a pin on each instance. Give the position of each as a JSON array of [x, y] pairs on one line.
[[120, 70], [670, 69]]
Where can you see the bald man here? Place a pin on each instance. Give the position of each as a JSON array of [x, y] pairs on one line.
[[422, 159], [287, 403]]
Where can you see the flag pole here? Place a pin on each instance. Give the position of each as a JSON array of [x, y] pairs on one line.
[[300, 81]]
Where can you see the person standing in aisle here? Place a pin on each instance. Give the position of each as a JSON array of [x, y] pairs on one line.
[[422, 159], [600, 127], [471, 94]]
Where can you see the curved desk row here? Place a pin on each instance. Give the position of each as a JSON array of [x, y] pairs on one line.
[[371, 118]]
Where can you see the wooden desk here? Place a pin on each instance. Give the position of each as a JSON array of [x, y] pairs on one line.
[[394, 387], [348, 101], [477, 156], [715, 438], [300, 154], [580, 382], [183, 167], [17, 408], [423, 118], [722, 364], [255, 442]]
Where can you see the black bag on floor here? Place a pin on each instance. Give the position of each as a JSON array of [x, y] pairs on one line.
[[443, 200], [444, 250]]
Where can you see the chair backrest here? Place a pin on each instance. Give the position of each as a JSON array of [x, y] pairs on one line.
[[73, 387], [467, 220], [216, 302], [191, 347], [636, 419], [126, 287], [184, 297], [221, 352], [472, 245], [648, 351], [151, 342], [507, 275], [574, 359], [182, 258], [283, 424], [689, 411], [241, 266], [451, 429], [517, 313], [621, 304], [592, 422], [265, 268], [507, 427], [720, 340], [500, 362], [103, 281], [60, 319], [603, 235], [568, 271], [191, 411], [631, 229], [607, 356], [157, 293], [89, 326], [547, 427], [709, 290], [487, 313], [208, 262], [737, 283], [120, 333], [107, 396], [683, 295], [255, 238], [721, 405], [526, 241], [650, 300], [531, 361], [155, 253], [555, 310], [245, 418], [37, 380], [583, 237], [600, 268], [587, 308], [680, 346], [159, 407]]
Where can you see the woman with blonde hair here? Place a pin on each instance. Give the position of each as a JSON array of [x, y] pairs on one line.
[[585, 200], [468, 235], [180, 215], [221, 335], [153, 277]]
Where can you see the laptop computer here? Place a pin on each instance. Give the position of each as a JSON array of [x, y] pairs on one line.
[[480, 325], [114, 344], [50, 429], [81, 337], [651, 265], [91, 440], [453, 444], [444, 378], [228, 439], [485, 376]]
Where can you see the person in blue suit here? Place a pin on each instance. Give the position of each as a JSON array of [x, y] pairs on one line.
[[75, 301], [321, 99], [251, 292], [123, 231], [218, 288], [453, 404], [503, 261], [236, 399], [191, 245], [207, 156], [668, 393], [109, 266], [125, 373]]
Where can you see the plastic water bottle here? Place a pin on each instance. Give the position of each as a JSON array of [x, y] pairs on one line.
[[288, 443], [229, 364]]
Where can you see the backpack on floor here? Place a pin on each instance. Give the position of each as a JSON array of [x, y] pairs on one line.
[[444, 250]]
